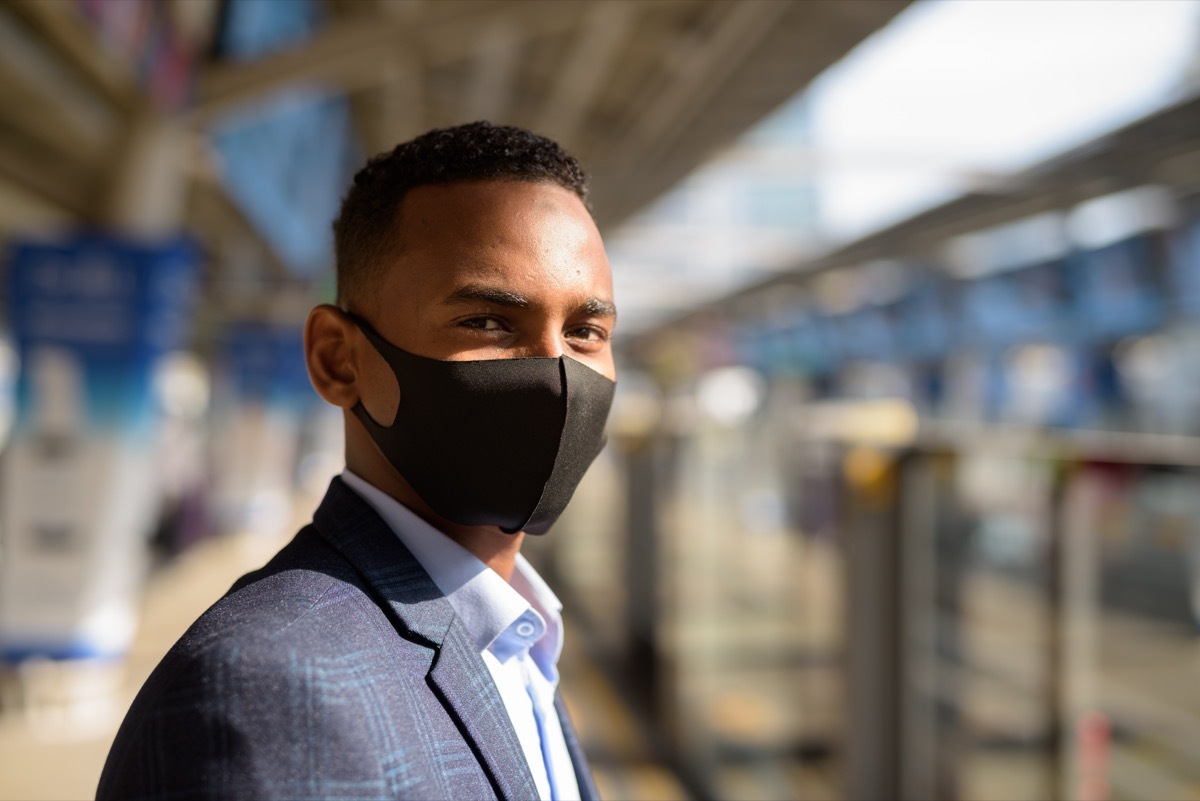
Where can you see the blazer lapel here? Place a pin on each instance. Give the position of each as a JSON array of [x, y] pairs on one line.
[[389, 570], [463, 680], [459, 674], [583, 773]]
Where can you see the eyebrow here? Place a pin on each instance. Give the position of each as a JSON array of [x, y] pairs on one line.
[[594, 307], [479, 293]]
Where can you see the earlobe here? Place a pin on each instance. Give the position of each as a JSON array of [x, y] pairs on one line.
[[330, 356]]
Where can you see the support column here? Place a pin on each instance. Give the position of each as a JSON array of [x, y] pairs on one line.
[[147, 188], [873, 585]]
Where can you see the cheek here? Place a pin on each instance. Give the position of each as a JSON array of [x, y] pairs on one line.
[[601, 363]]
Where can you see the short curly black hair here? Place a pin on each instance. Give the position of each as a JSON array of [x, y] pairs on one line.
[[365, 231]]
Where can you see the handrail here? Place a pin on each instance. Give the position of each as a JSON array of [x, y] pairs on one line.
[[895, 424]]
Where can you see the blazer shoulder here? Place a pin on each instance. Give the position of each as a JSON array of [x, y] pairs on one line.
[[308, 599], [267, 600], [294, 652]]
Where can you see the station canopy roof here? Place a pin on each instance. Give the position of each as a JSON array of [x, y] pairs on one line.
[[642, 91]]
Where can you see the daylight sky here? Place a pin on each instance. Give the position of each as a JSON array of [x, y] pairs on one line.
[[955, 87]]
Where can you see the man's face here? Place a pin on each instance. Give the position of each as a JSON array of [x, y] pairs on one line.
[[491, 270]]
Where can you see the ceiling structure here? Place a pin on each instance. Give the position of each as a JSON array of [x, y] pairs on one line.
[[1162, 149], [642, 91]]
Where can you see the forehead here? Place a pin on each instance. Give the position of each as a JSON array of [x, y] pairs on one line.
[[505, 230]]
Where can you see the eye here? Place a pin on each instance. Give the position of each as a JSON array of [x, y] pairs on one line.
[[588, 333], [484, 324]]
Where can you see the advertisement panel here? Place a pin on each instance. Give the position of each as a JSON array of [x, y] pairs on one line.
[[92, 318]]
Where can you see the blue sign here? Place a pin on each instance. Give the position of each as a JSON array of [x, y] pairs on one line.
[[1185, 267], [113, 305], [866, 334], [814, 342], [924, 326], [1028, 305], [1119, 292], [751, 342], [265, 364]]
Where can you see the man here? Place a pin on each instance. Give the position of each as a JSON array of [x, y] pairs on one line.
[[400, 647]]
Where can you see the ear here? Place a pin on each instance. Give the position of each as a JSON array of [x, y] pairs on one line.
[[329, 352]]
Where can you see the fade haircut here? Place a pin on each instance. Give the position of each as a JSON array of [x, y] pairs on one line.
[[366, 230]]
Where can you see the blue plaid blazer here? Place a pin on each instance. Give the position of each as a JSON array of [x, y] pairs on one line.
[[337, 671]]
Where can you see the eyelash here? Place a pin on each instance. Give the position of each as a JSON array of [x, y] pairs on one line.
[[467, 323], [601, 334]]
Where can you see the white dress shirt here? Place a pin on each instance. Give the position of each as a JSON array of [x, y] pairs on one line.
[[517, 627]]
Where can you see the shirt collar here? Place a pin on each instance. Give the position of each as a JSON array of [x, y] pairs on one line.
[[506, 618]]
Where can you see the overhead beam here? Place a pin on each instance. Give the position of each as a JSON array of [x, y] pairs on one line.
[[402, 105], [61, 26], [401, 9], [344, 52], [47, 175], [245, 262], [632, 168], [701, 75], [45, 95], [395, 110], [600, 38], [348, 52], [44, 118], [497, 56]]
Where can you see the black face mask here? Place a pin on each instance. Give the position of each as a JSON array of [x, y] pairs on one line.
[[499, 442]]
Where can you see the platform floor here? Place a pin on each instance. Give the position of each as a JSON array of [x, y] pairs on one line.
[[56, 722]]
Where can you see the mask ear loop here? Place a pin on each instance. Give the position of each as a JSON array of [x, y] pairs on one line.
[[381, 346], [374, 336]]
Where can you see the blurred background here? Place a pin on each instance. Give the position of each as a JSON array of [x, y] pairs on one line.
[[902, 492]]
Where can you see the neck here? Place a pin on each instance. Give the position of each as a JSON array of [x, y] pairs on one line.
[[488, 544]]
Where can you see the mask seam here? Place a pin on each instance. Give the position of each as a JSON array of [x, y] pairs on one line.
[[558, 453]]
